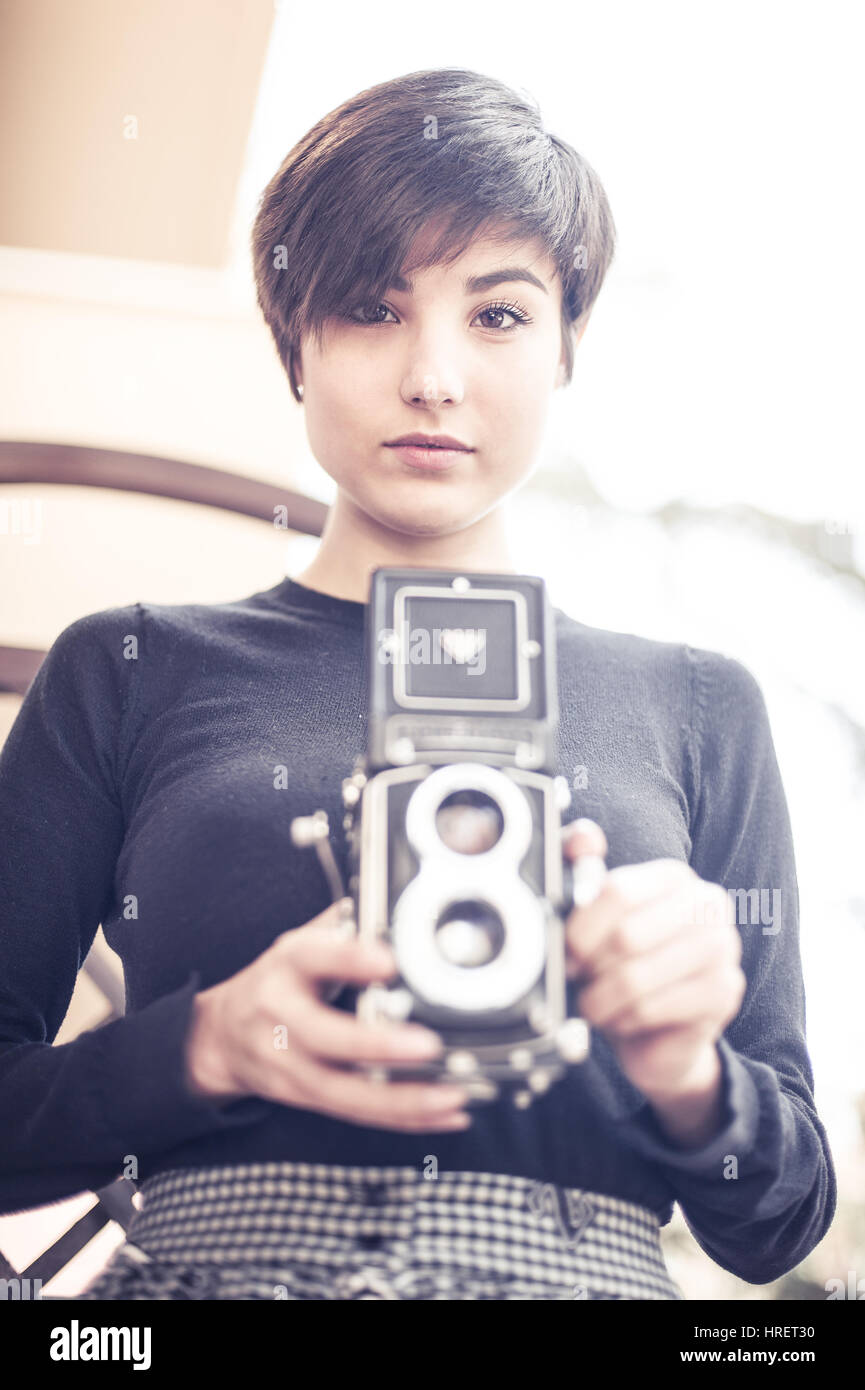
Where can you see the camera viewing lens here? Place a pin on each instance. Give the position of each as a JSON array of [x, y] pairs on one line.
[[469, 821], [469, 933]]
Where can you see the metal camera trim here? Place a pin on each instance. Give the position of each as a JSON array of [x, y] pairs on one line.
[[520, 962], [420, 815], [457, 702], [497, 985]]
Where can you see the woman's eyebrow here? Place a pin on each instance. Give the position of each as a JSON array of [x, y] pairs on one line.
[[476, 284]]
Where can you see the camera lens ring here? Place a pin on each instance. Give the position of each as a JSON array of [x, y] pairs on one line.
[[469, 821], [497, 984], [420, 817]]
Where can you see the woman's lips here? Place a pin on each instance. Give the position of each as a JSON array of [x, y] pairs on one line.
[[430, 460]]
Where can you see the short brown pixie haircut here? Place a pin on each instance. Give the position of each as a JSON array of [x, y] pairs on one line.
[[336, 222]]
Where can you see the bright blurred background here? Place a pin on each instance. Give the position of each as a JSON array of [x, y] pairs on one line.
[[702, 479]]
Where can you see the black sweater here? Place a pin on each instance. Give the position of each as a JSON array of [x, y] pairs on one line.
[[139, 788]]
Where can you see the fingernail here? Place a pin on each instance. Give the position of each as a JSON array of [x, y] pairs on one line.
[[420, 1044], [588, 879], [457, 1122]]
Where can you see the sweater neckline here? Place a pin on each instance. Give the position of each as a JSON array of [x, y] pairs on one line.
[[297, 595], [345, 610]]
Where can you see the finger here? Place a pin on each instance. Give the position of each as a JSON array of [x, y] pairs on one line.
[[625, 889], [337, 914], [583, 837], [391, 1104], [686, 1002], [616, 991], [324, 953], [338, 1036], [695, 905]]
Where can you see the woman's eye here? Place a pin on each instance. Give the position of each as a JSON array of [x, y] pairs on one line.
[[515, 311], [362, 309], [368, 315]]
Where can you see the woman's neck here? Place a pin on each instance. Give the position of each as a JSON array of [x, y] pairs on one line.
[[353, 544]]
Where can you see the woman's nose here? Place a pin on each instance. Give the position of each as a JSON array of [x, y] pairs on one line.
[[431, 387]]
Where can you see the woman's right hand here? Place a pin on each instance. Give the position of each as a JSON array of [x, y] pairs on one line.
[[231, 1046]]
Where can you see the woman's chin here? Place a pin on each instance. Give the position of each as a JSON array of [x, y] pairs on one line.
[[427, 518], [411, 526]]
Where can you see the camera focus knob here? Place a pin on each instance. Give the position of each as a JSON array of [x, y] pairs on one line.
[[401, 751], [521, 1058], [539, 1080], [462, 1063], [572, 1040], [396, 1004], [305, 830]]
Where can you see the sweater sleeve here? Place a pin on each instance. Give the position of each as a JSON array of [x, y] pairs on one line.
[[72, 1114], [761, 1194]]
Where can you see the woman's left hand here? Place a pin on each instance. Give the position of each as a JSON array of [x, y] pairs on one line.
[[657, 956]]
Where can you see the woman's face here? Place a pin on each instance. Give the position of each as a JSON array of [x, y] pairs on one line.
[[438, 357]]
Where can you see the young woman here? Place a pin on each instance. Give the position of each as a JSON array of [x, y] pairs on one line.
[[427, 258]]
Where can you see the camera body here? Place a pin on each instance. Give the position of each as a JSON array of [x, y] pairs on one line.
[[453, 824]]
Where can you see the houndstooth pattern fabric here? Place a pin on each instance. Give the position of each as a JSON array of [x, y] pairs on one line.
[[327, 1232]]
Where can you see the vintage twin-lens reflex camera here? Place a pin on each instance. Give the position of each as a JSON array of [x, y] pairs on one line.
[[453, 818]]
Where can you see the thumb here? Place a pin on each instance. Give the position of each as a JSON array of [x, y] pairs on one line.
[[583, 837], [337, 918]]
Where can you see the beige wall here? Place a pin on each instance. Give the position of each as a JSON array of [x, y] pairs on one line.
[[123, 125], [205, 389], [104, 342]]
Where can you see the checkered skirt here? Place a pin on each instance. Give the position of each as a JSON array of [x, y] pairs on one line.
[[326, 1232]]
